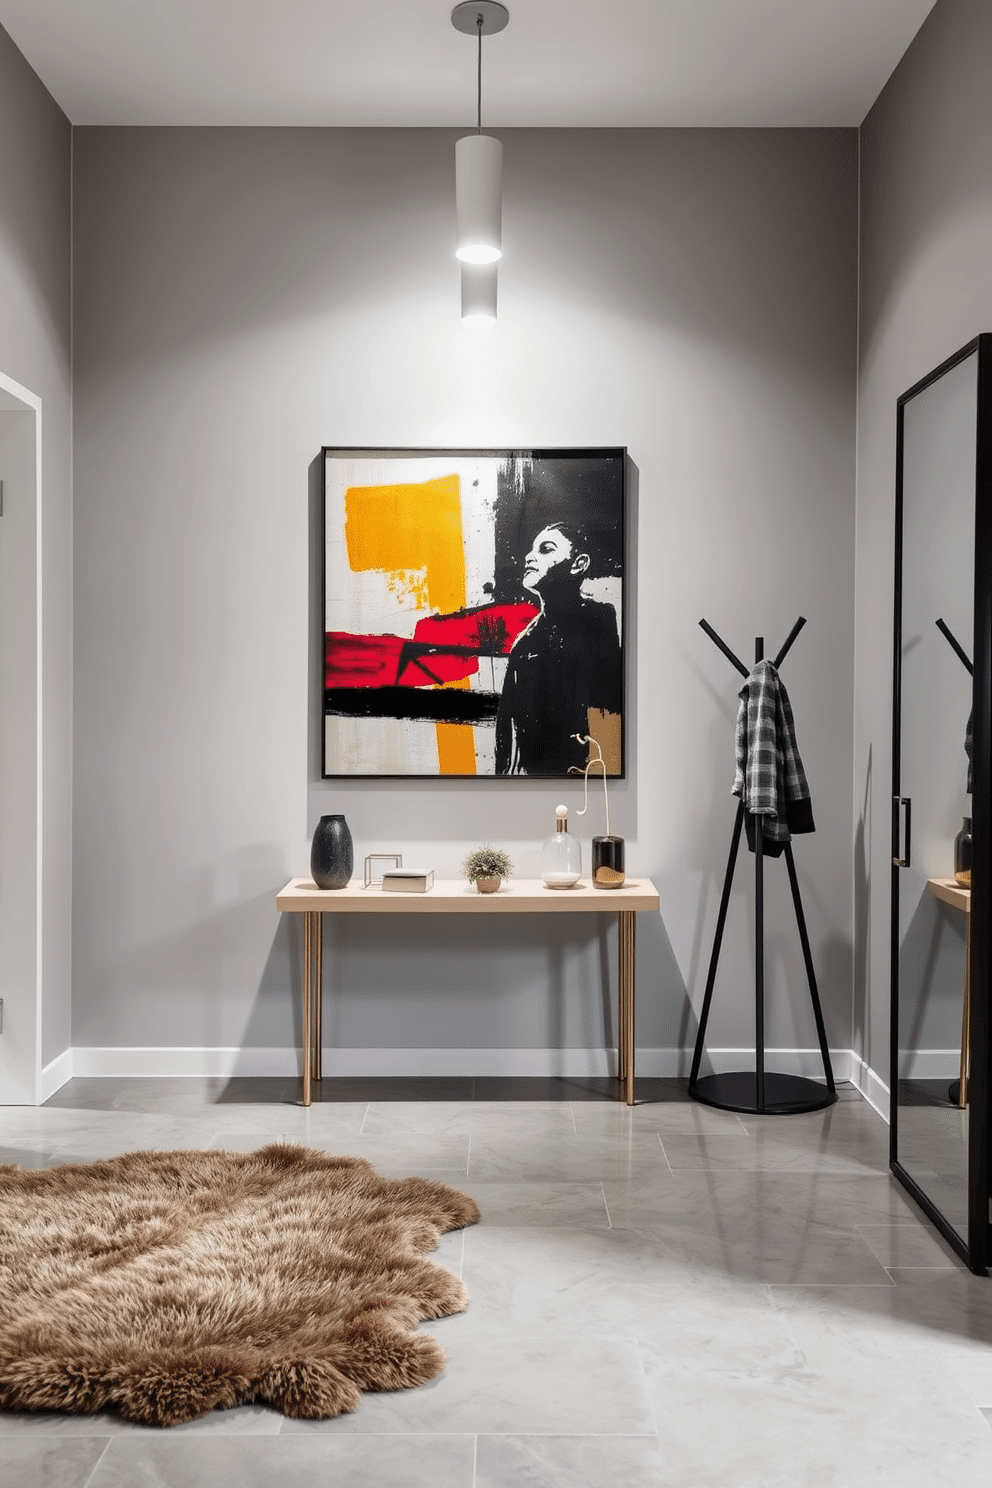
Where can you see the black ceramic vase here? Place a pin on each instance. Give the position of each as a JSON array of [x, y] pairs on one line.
[[332, 853], [963, 848], [607, 862]]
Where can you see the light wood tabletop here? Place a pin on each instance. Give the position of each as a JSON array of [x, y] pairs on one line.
[[951, 892], [458, 896]]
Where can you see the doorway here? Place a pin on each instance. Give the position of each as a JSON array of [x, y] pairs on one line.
[[20, 746]]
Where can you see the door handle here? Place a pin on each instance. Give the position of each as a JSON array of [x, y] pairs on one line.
[[897, 838]]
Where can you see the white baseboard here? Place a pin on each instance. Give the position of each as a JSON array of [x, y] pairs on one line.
[[223, 1063], [931, 1064], [871, 1085], [160, 1062], [54, 1076], [337, 1062]]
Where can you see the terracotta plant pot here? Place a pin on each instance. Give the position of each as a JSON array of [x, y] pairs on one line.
[[488, 885]]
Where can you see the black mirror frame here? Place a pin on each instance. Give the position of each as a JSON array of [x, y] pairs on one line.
[[976, 1248]]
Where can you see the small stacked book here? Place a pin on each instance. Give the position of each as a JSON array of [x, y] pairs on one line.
[[408, 880]]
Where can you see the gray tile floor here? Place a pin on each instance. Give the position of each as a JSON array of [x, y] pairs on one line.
[[660, 1295]]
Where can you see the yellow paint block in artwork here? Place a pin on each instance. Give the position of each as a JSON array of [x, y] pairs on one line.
[[455, 747], [417, 526]]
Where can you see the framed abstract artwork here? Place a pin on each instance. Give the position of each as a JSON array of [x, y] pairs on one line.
[[473, 610]]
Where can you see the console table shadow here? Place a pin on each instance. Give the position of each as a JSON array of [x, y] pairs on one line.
[[457, 896]]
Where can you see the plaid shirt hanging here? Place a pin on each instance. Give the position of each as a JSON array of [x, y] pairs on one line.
[[770, 778]]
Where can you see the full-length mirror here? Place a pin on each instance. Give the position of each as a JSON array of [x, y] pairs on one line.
[[935, 1097]]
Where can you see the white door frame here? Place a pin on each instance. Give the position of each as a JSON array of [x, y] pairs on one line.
[[28, 1090]]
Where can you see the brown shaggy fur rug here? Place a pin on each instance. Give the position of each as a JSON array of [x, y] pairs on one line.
[[162, 1284]]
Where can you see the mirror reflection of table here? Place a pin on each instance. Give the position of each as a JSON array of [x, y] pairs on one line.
[[949, 891], [456, 896]]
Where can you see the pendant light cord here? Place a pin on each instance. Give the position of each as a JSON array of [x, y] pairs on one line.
[[478, 23]]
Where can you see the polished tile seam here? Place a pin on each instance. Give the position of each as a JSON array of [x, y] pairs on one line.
[[99, 1463]]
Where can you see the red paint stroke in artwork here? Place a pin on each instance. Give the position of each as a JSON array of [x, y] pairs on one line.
[[361, 660], [444, 648]]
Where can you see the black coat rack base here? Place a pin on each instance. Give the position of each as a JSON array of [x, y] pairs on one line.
[[785, 1095], [760, 1091]]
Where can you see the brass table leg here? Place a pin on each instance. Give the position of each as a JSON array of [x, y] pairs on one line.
[[621, 1005], [965, 1018], [625, 1002], [308, 952], [318, 996]]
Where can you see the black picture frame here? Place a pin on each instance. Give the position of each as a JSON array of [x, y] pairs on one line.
[[473, 610]]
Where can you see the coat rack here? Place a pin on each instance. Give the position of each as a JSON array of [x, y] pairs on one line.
[[760, 1091]]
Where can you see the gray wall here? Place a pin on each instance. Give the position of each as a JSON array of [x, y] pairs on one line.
[[243, 297], [926, 245], [35, 350]]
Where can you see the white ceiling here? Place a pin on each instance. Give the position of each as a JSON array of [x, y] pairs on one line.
[[401, 62]]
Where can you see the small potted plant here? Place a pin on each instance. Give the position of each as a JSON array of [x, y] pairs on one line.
[[487, 867]]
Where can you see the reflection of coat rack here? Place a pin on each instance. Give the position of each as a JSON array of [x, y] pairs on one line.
[[955, 645], [760, 1091]]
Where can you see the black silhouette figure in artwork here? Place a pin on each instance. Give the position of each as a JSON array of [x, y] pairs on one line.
[[565, 664]]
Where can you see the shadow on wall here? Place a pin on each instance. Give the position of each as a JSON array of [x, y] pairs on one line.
[[311, 218], [183, 975], [461, 985], [926, 162], [316, 628], [860, 1023], [185, 988], [34, 190], [275, 1019]]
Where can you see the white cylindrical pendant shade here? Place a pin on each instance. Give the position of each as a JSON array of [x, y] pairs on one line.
[[479, 294], [479, 199]]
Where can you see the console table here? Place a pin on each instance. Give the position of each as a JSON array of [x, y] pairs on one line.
[[949, 891], [457, 896]]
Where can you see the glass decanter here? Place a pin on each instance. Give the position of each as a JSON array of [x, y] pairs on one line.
[[561, 855]]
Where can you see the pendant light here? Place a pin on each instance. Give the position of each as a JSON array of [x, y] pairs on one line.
[[478, 295], [479, 157]]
